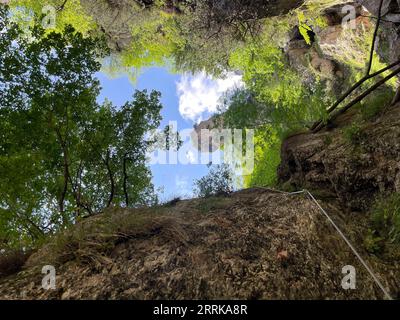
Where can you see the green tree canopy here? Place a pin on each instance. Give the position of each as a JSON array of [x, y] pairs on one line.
[[62, 154]]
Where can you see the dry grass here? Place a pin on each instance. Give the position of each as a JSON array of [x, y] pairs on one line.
[[210, 204], [91, 241]]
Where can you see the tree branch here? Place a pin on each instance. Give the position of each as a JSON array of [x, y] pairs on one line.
[[396, 97], [359, 98], [76, 189], [61, 8], [356, 86], [378, 22], [111, 177], [125, 181], [26, 221], [319, 124]]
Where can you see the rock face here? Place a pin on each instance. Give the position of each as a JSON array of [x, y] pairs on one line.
[[253, 244], [204, 139], [334, 49], [356, 171], [388, 45], [116, 17], [373, 6]]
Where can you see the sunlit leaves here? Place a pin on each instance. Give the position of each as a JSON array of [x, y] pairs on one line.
[[62, 155], [68, 12]]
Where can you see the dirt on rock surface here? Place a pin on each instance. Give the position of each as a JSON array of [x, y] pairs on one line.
[[252, 244], [355, 170]]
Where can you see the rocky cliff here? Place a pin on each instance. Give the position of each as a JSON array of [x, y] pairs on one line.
[[388, 45], [116, 17], [354, 169], [252, 244]]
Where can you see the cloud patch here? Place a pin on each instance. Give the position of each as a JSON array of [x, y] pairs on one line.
[[200, 94]]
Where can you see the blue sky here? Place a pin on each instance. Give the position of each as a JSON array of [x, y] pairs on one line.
[[175, 180]]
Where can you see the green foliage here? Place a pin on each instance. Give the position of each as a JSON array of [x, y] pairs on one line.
[[373, 243], [304, 28], [353, 133], [274, 102], [375, 103], [62, 155], [154, 41], [385, 218], [68, 12], [218, 181], [304, 31], [267, 158], [239, 109], [193, 37], [167, 139], [277, 88], [264, 70]]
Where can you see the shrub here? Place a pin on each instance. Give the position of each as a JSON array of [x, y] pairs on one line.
[[267, 160], [217, 182], [385, 218], [353, 133], [374, 104], [373, 243]]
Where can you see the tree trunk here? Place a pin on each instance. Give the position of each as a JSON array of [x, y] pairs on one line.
[[111, 177], [396, 97], [359, 98], [65, 188], [65, 174], [125, 181]]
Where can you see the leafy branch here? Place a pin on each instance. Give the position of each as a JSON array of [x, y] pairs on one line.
[[320, 124]]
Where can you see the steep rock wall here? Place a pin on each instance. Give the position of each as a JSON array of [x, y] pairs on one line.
[[116, 17], [354, 172], [254, 244]]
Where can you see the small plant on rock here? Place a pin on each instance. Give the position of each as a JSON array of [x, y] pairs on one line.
[[219, 181]]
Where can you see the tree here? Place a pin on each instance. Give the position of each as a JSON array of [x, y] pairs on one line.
[[219, 181], [66, 12], [47, 86], [117, 139], [187, 35], [62, 155]]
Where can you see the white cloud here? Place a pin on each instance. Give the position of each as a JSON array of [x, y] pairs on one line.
[[200, 93], [191, 156]]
